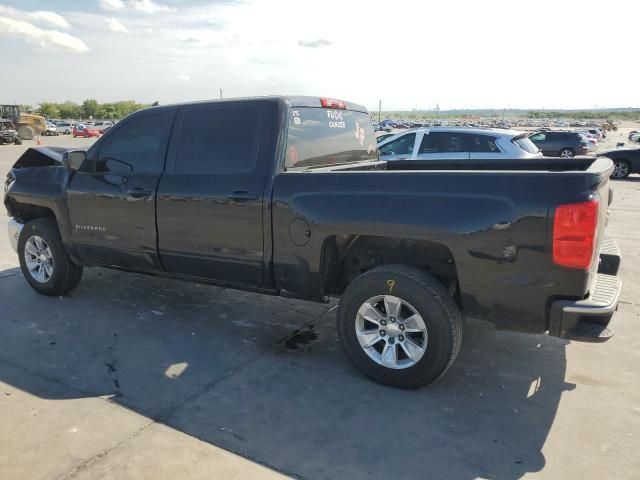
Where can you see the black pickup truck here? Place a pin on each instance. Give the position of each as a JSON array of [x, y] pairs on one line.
[[286, 196]]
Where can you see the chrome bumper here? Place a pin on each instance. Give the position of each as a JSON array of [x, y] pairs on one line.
[[14, 228]]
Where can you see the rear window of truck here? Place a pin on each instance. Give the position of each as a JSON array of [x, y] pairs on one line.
[[324, 136]]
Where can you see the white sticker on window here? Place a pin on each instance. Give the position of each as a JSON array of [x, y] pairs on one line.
[[335, 119]]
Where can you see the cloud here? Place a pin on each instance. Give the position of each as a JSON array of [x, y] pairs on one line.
[[184, 78], [112, 5], [116, 26], [39, 16], [51, 18], [149, 6], [320, 42], [43, 38]]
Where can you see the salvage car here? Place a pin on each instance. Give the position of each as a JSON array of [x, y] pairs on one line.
[[8, 133], [625, 160], [457, 143], [81, 130], [64, 127], [51, 130], [103, 125], [560, 143], [287, 196]]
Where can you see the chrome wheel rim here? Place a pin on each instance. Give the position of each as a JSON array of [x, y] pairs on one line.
[[566, 154], [391, 332], [620, 170], [38, 259]]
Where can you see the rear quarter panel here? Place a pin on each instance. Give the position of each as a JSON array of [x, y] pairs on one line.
[[494, 224]]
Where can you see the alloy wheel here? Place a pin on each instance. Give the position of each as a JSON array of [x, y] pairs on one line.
[[38, 258], [391, 331], [620, 170], [566, 153]]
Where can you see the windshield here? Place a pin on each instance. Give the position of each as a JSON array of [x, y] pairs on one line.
[[323, 136]]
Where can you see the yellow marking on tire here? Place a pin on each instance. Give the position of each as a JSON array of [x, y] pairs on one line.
[[391, 284]]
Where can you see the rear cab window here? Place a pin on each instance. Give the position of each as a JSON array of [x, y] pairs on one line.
[[320, 137]]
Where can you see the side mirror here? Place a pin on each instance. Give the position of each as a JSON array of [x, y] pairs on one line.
[[73, 160]]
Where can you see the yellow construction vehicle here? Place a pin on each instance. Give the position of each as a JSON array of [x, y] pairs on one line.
[[27, 124]]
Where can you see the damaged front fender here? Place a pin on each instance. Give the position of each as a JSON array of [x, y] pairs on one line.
[[36, 187]]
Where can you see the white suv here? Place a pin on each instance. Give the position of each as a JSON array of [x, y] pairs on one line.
[[455, 143]]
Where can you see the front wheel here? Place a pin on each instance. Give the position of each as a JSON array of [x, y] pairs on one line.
[[399, 326], [44, 261], [620, 169]]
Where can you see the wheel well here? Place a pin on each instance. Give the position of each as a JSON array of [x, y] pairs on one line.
[[24, 212], [344, 257]]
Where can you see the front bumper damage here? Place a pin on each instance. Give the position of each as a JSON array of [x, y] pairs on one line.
[[14, 228]]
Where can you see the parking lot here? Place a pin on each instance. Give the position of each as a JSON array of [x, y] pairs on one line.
[[139, 377]]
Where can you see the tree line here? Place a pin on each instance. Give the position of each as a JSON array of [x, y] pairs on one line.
[[630, 114], [90, 108]]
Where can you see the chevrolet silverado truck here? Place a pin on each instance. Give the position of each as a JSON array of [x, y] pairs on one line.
[[287, 196]]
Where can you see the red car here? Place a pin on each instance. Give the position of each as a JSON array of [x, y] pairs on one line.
[[80, 130]]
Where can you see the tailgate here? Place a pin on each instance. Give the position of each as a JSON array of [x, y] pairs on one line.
[[605, 196]]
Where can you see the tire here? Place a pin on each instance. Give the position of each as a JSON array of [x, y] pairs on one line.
[[566, 153], [62, 275], [17, 141], [621, 170], [419, 293], [25, 132]]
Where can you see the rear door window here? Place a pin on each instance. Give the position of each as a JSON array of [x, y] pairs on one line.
[[443, 142], [481, 144], [218, 140]]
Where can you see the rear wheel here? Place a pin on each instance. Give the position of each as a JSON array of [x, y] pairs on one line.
[[17, 141], [566, 153], [399, 326], [620, 169], [44, 261], [26, 132]]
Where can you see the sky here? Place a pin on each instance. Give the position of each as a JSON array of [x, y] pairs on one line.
[[408, 54]]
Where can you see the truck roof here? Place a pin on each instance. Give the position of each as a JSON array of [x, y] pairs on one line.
[[290, 100]]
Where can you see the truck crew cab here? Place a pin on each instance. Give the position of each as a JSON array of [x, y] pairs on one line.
[[287, 196]]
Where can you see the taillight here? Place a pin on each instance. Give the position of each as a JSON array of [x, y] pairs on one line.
[[333, 103], [574, 234]]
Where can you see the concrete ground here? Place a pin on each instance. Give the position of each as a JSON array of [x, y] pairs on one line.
[[133, 377]]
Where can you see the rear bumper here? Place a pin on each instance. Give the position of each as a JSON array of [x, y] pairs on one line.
[[571, 318]]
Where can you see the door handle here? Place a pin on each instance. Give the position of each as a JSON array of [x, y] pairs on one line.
[[139, 192], [242, 196]]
